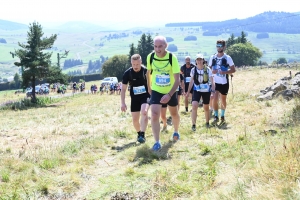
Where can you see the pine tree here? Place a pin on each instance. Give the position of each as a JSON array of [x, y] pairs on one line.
[[145, 46], [17, 80], [32, 56], [243, 38], [230, 41], [132, 51], [142, 48], [150, 44]]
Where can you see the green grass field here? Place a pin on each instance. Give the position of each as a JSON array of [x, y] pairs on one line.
[[83, 147]]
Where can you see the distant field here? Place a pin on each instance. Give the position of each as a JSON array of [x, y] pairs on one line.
[[85, 46]]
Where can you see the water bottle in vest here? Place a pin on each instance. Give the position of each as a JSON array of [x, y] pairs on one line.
[[205, 75]]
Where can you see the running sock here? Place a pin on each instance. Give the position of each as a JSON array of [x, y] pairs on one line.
[[222, 113], [186, 109], [216, 113]]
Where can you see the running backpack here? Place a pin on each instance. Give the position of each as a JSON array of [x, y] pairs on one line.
[[152, 58], [224, 61], [184, 73], [205, 76], [131, 79]]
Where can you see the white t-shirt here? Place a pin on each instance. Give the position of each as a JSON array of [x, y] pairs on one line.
[[220, 78], [201, 72]]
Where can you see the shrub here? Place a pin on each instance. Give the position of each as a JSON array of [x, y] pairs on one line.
[[190, 38], [172, 47], [3, 41], [262, 35], [169, 39]]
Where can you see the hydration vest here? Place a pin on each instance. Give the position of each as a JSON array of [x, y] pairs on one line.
[[224, 64], [185, 69], [143, 76], [152, 58], [205, 76]]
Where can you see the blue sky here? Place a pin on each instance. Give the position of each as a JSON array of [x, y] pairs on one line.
[[136, 12]]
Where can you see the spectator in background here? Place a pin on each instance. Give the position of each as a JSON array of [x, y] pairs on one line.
[[74, 87]]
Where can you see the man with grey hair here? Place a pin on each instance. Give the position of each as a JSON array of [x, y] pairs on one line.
[[186, 71], [163, 80]]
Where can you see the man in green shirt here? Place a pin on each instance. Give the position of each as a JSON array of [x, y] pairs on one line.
[[163, 80]]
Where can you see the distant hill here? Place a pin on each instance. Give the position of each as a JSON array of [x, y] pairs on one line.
[[79, 26], [272, 22], [8, 25]]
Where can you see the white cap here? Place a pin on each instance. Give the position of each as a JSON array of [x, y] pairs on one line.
[[199, 56]]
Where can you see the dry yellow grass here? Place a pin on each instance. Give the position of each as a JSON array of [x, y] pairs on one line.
[[84, 147]]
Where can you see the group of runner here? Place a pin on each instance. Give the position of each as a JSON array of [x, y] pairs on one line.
[[110, 88], [162, 81]]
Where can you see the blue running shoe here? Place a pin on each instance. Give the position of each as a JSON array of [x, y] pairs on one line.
[[156, 146], [176, 137]]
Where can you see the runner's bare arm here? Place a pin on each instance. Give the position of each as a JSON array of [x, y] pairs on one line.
[[123, 104], [229, 72], [176, 84], [190, 86], [149, 81]]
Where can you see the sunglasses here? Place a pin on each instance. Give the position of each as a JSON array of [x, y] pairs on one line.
[[219, 45]]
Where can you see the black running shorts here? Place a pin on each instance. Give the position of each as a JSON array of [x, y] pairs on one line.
[[205, 97], [156, 97], [186, 87], [222, 88], [137, 101], [179, 92]]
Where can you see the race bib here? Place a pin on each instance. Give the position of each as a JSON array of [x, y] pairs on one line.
[[221, 75], [187, 79], [224, 69], [162, 80], [202, 88], [139, 90]]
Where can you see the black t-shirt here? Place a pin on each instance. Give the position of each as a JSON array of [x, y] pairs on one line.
[[186, 71], [136, 79], [181, 78]]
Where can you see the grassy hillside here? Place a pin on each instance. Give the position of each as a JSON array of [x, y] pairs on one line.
[[85, 46], [270, 21], [83, 147], [8, 25]]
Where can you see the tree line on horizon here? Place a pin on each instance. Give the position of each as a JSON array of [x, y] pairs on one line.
[[272, 22], [239, 48], [37, 64]]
